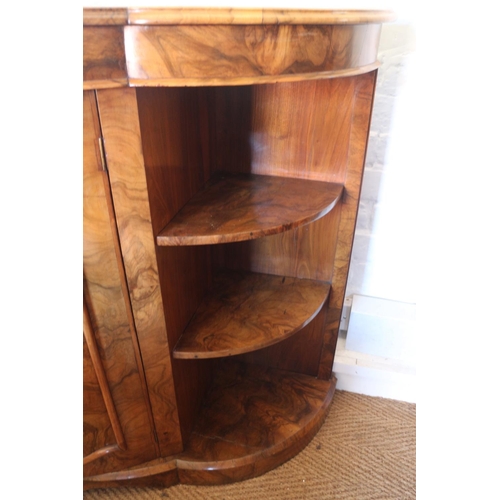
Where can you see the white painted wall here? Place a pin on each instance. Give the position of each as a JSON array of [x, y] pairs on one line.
[[384, 258], [384, 251]]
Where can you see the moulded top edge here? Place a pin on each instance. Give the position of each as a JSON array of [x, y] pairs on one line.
[[166, 16]]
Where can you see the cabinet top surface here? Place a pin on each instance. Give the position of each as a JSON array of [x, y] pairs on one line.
[[165, 16]]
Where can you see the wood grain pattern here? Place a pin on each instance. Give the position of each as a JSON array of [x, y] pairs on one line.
[[244, 312], [304, 252], [97, 429], [240, 81], [359, 129], [234, 55], [175, 147], [104, 16], [104, 57], [175, 16], [252, 419], [121, 133], [199, 113], [299, 353], [243, 207], [100, 375], [159, 473], [106, 300], [95, 137], [298, 130]]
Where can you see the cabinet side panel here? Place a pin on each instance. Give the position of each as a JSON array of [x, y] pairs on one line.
[[174, 127], [360, 126], [175, 147], [112, 342], [305, 252], [290, 129], [122, 139]]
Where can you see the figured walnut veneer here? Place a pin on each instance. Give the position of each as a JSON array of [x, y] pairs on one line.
[[253, 417], [245, 207], [112, 370], [218, 55], [244, 312], [223, 157], [171, 47]]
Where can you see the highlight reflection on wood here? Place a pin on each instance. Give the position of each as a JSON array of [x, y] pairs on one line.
[[223, 164], [121, 134], [248, 311], [245, 207], [104, 63], [233, 54], [112, 337], [183, 15], [252, 417]]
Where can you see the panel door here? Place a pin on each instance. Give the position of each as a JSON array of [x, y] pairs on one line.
[[118, 425]]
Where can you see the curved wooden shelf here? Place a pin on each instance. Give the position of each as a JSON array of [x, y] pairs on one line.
[[254, 419], [240, 207], [248, 311]]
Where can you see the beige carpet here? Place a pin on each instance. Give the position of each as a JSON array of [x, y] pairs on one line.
[[365, 450]]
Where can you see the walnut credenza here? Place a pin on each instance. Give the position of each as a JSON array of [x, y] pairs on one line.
[[223, 157]]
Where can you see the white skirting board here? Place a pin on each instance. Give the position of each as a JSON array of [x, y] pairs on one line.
[[376, 356], [374, 376]]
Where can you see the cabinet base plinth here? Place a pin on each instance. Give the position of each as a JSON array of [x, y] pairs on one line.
[[254, 419]]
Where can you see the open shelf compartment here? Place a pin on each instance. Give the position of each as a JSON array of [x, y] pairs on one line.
[[247, 311], [240, 207], [253, 417]]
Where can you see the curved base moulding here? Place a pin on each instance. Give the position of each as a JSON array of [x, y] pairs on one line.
[[253, 419]]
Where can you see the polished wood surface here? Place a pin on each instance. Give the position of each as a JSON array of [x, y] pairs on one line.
[[243, 430], [108, 326], [104, 63], [303, 252], [274, 100], [121, 133], [299, 129], [358, 139], [97, 429], [101, 405], [160, 473], [244, 312], [233, 54], [244, 207], [253, 419], [197, 47], [168, 16], [105, 16], [299, 353], [175, 148]]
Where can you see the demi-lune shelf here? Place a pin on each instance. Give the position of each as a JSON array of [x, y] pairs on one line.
[[255, 418], [239, 207], [252, 419], [247, 311]]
